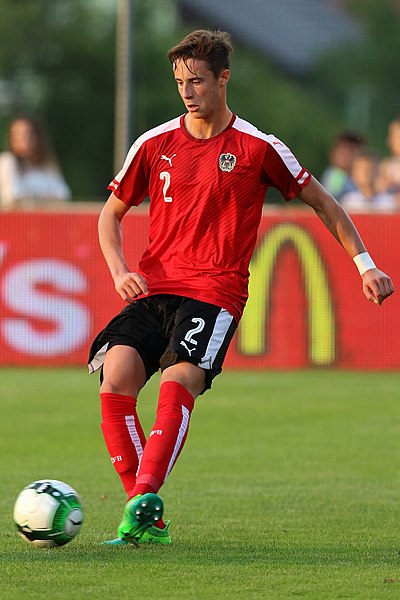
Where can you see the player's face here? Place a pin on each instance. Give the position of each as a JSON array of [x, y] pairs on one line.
[[202, 93]]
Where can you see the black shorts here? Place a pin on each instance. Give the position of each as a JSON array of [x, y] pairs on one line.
[[167, 329]]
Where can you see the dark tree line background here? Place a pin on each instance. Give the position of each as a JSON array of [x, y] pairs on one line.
[[57, 60]]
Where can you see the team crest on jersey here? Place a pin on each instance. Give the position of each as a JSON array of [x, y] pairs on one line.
[[227, 161]]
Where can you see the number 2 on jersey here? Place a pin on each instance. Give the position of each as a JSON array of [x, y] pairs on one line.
[[166, 177]]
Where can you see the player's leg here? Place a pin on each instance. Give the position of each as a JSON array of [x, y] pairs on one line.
[[123, 377], [199, 341], [179, 386], [128, 350], [164, 446]]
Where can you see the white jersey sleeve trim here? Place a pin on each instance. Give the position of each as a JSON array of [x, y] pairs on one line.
[[151, 133], [280, 148]]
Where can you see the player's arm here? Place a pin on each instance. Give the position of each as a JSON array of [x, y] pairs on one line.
[[128, 284], [376, 285]]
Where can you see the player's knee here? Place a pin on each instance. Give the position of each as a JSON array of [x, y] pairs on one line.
[[190, 376], [123, 388]]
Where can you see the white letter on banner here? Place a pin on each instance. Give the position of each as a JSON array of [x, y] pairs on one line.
[[69, 318]]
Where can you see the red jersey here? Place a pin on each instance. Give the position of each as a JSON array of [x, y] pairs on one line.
[[206, 199]]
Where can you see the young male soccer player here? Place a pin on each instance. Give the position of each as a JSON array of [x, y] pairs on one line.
[[207, 173]]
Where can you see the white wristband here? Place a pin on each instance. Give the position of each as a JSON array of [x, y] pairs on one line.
[[364, 262]]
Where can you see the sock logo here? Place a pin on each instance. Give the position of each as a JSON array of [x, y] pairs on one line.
[[117, 458], [156, 432]]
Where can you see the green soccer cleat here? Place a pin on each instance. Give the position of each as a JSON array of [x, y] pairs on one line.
[[140, 513], [115, 542], [155, 535]]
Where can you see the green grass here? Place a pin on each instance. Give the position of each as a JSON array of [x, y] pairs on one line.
[[288, 487]]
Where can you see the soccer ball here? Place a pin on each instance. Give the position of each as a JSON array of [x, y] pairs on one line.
[[48, 513]]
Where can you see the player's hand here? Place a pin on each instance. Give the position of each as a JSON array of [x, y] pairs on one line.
[[130, 285], [377, 286]]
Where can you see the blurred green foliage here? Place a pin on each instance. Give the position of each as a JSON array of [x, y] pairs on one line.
[[60, 57], [362, 82]]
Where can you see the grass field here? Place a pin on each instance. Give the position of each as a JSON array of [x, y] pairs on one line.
[[288, 487]]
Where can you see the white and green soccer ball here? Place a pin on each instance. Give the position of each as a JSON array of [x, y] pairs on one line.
[[48, 513]]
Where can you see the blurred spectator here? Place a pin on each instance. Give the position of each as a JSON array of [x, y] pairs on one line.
[[337, 176], [388, 180], [29, 171], [366, 198]]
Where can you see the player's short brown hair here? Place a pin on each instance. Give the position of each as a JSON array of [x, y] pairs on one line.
[[213, 47]]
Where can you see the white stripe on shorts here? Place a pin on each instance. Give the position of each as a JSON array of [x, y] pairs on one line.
[[222, 324], [181, 434]]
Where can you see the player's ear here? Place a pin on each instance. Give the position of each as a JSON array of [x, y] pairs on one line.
[[224, 76]]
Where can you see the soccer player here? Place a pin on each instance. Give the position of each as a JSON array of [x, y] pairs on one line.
[[207, 173]]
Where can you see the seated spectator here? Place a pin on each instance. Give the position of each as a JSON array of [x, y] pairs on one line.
[[336, 178], [365, 198], [388, 180], [29, 172]]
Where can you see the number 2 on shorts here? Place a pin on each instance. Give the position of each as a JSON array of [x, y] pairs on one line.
[[200, 326]]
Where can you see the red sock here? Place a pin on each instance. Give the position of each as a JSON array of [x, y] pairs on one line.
[[166, 439], [123, 435]]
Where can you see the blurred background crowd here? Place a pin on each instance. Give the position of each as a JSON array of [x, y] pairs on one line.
[[320, 74]]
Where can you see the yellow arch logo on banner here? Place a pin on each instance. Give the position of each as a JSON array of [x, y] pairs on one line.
[[321, 318]]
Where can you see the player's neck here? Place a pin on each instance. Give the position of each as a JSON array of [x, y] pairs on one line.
[[208, 127]]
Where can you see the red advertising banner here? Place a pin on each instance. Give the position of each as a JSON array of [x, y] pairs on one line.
[[306, 306]]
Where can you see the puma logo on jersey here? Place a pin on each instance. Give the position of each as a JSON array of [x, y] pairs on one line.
[[163, 157], [227, 161]]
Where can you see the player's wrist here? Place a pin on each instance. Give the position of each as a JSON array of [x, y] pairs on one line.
[[363, 262]]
